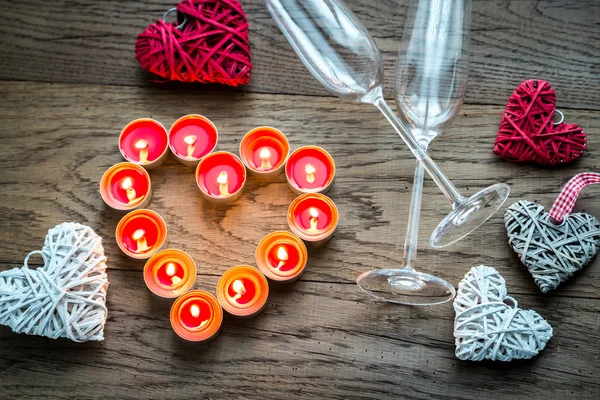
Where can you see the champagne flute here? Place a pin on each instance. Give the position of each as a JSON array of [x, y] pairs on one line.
[[431, 76], [338, 51]]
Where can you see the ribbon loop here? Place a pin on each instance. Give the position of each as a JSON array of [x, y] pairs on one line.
[[564, 203]]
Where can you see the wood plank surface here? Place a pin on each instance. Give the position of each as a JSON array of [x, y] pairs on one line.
[[88, 41], [320, 337], [69, 83]]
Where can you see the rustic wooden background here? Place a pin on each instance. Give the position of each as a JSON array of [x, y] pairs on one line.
[[68, 84]]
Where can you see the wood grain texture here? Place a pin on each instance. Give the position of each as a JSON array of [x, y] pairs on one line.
[[87, 41], [320, 337]]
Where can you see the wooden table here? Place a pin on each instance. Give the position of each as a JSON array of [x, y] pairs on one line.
[[69, 83]]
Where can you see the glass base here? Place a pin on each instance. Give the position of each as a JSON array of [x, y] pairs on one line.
[[406, 286], [469, 215]]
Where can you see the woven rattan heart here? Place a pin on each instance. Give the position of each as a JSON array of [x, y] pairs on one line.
[[551, 252], [527, 131], [487, 328], [66, 297], [212, 46]]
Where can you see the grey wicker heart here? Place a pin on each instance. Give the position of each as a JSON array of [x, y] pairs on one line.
[[551, 252], [66, 296], [486, 327]]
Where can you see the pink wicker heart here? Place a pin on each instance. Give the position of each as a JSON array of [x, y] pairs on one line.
[[210, 45], [527, 131]]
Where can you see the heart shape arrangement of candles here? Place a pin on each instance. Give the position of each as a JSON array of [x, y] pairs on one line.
[[281, 256]]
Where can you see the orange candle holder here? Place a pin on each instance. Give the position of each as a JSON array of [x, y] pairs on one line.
[[264, 151], [141, 233], [310, 169], [313, 217], [281, 256], [191, 138], [170, 273], [125, 186], [196, 316], [144, 142], [243, 291], [221, 177]]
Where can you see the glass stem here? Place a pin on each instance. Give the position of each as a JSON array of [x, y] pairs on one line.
[[449, 190], [414, 214]]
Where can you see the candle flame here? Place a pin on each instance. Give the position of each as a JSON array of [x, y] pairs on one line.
[[314, 220], [190, 141], [171, 269], [127, 185], [195, 311], [142, 146], [223, 186], [282, 255], [239, 288], [265, 156], [138, 236], [310, 173]]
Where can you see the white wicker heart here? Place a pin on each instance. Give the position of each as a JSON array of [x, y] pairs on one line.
[[66, 297], [487, 328], [551, 252]]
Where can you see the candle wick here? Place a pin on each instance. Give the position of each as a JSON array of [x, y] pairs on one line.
[[142, 145], [314, 220], [131, 195], [176, 280], [129, 190], [310, 173], [223, 185], [191, 141], [313, 225], [281, 264], [142, 244]]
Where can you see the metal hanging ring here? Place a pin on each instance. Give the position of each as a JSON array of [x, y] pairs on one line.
[[174, 9], [562, 117]]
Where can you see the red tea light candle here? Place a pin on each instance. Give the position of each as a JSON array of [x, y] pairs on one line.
[[221, 177], [141, 233], [191, 138], [310, 169], [313, 217], [196, 316], [170, 273], [281, 256], [144, 142], [264, 151], [243, 291], [125, 186]]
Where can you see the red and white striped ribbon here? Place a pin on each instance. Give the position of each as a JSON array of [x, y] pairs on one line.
[[568, 196]]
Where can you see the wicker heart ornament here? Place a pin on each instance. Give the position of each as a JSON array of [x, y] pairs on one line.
[[489, 325], [65, 298], [209, 44], [554, 245], [527, 131]]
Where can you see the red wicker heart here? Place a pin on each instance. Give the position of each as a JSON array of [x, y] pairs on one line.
[[212, 46], [528, 133]]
